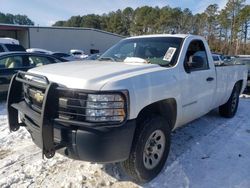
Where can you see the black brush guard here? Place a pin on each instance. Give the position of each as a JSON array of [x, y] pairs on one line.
[[40, 125], [80, 140]]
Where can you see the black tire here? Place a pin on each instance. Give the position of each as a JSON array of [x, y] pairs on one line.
[[229, 109], [134, 166]]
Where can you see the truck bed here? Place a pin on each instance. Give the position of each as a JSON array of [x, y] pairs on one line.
[[227, 75]]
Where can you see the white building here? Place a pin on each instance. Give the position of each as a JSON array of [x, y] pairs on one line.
[[61, 38]]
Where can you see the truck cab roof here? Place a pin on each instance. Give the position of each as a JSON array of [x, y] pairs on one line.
[[162, 35]]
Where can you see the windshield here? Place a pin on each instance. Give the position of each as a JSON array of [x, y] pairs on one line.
[[155, 50], [77, 53], [14, 47], [61, 55]]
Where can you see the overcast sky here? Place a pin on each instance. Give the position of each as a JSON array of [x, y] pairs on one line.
[[46, 12]]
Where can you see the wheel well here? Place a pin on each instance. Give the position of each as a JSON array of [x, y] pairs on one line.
[[166, 108], [240, 82]]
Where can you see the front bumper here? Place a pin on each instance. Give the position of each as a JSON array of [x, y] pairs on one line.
[[98, 145], [93, 143]]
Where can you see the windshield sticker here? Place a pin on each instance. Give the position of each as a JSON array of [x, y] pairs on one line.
[[169, 54]]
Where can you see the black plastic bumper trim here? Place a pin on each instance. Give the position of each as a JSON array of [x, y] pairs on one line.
[[102, 145]]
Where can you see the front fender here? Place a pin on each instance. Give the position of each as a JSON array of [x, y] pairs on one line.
[[148, 88]]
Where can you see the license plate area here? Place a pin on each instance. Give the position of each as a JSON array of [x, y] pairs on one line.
[[34, 132]]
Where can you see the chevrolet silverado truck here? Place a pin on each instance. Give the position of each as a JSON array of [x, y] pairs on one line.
[[123, 106]]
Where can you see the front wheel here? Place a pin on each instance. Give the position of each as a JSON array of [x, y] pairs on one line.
[[229, 109], [149, 151]]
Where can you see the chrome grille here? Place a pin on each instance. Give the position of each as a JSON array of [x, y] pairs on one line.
[[72, 106]]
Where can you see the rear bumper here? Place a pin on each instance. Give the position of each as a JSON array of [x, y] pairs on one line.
[[93, 143]]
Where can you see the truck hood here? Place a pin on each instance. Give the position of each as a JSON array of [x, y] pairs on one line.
[[91, 75]]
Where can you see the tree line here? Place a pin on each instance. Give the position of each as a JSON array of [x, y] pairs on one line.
[[15, 19], [226, 30]]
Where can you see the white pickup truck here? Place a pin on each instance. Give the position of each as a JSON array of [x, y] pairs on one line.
[[123, 106]]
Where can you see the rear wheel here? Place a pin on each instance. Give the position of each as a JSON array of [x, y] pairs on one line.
[[149, 151], [230, 107]]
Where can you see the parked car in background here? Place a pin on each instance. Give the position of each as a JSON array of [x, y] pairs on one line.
[[93, 56], [7, 40], [11, 62], [227, 57], [217, 58], [246, 61], [39, 50], [242, 56], [9, 44], [78, 53], [65, 56]]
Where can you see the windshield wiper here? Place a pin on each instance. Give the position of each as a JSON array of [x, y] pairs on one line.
[[106, 58]]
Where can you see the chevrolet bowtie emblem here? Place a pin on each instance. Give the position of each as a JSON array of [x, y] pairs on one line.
[[38, 97]]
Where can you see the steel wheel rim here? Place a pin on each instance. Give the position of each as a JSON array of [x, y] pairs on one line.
[[154, 149]]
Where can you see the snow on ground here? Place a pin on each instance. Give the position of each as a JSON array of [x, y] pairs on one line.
[[209, 152]]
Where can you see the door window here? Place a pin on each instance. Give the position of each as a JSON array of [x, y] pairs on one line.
[[36, 61], [11, 62], [1, 48], [196, 57]]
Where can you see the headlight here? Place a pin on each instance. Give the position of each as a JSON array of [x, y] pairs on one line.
[[105, 108]]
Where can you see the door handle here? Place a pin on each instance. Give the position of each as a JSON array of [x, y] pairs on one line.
[[209, 79]]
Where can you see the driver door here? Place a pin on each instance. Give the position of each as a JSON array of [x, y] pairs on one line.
[[199, 82]]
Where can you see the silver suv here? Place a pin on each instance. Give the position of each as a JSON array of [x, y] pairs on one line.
[[9, 44], [11, 47]]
